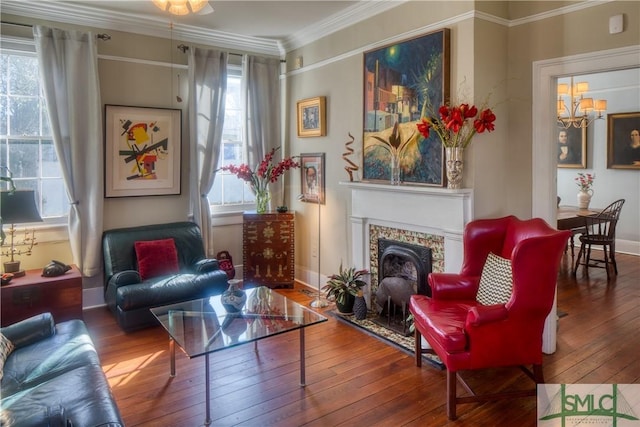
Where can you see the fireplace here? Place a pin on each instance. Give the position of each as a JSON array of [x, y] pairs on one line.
[[402, 272], [430, 217], [404, 260]]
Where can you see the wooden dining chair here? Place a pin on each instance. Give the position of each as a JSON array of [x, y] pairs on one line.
[[600, 230]]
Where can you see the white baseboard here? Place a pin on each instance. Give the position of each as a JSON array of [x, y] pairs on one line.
[[628, 247], [93, 297]]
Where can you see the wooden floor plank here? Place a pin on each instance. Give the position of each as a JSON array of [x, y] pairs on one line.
[[356, 379]]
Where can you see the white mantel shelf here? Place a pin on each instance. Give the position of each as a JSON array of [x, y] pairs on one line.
[[408, 188], [433, 210]]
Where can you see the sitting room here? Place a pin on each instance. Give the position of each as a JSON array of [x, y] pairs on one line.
[[178, 157]]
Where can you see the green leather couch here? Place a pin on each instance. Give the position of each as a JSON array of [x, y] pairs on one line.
[[129, 297], [53, 377]]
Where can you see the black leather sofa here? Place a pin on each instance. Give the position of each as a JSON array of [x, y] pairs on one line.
[[53, 377], [129, 297]]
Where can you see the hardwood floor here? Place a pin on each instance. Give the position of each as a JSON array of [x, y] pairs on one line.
[[354, 379]]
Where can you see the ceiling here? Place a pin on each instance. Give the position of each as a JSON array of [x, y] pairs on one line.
[[263, 26]]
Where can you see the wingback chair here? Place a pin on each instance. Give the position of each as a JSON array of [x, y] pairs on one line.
[[467, 334]]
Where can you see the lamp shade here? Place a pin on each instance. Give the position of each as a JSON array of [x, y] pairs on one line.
[[563, 89], [19, 207], [586, 105], [601, 105]]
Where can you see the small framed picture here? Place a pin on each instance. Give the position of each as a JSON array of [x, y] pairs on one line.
[[312, 117], [312, 177], [572, 148], [142, 151], [623, 141]]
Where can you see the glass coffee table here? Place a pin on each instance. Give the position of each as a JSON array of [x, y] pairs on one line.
[[203, 326]]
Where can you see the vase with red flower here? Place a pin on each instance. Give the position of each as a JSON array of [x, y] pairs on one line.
[[265, 173], [585, 185], [455, 126]]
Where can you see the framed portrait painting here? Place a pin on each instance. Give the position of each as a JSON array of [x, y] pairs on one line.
[[572, 148], [312, 117], [623, 141], [312, 177], [142, 151], [403, 82]]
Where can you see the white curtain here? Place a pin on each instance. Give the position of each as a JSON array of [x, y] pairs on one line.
[[68, 63], [261, 95], [207, 93]]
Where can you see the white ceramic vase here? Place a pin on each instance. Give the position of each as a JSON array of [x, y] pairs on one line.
[[584, 198]]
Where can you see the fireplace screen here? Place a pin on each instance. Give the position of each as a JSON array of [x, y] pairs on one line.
[[402, 271]]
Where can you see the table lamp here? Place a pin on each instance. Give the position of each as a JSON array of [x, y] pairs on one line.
[[17, 207]]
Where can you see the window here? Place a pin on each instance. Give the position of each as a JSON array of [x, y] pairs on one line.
[[228, 191], [26, 144]]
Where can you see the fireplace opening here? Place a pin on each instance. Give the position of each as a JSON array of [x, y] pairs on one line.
[[402, 271]]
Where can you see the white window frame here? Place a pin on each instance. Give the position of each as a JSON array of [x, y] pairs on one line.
[[225, 209], [22, 46]]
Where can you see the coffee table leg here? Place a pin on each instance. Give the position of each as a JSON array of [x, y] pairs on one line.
[[302, 367], [172, 352], [207, 420]]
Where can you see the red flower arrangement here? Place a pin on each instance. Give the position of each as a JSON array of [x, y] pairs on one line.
[[265, 173], [456, 125], [585, 181]]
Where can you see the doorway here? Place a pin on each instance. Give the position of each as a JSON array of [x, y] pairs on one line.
[[544, 181]]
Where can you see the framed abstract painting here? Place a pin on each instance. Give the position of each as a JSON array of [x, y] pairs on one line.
[[142, 151]]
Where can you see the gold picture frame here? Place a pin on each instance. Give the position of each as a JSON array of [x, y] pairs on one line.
[[623, 139], [572, 148], [312, 117]]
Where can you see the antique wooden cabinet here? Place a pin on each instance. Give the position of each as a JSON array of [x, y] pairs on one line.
[[268, 249], [33, 294]]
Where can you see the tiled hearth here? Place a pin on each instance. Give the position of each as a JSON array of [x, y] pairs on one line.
[[428, 215]]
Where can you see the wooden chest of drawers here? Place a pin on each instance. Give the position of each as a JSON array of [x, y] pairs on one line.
[[268, 254], [33, 294]]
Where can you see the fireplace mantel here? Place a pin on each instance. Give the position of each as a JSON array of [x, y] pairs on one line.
[[432, 210]]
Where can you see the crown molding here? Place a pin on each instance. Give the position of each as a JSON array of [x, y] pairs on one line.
[[346, 18], [78, 14]]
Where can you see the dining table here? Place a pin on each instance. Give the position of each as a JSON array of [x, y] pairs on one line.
[[573, 218]]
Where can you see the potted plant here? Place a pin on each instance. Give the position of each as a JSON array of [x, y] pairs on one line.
[[344, 287]]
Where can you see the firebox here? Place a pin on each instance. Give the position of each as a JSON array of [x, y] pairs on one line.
[[402, 271]]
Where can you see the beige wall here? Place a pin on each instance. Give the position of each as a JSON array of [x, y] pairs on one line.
[[492, 57]]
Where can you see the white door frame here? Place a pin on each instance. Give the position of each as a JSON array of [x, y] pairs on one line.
[[544, 176]]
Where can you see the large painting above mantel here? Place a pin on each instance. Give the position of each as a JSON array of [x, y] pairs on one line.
[[401, 83]]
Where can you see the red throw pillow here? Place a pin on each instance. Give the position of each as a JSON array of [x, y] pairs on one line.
[[156, 258]]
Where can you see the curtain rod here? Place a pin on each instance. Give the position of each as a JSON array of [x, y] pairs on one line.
[[184, 48], [102, 36]]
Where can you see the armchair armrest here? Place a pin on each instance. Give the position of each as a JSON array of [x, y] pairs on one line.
[[126, 277], [206, 265], [484, 314], [31, 330], [453, 286]]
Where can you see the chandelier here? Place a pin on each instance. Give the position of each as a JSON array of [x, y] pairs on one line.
[[183, 7], [576, 113]]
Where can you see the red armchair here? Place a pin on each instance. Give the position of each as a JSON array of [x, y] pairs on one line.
[[467, 335]]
